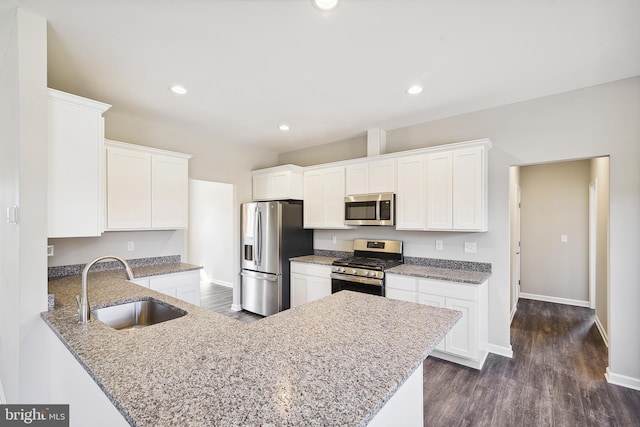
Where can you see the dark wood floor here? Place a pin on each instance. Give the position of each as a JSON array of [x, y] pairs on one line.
[[555, 378], [219, 299]]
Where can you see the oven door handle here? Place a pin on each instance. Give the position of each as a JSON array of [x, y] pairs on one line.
[[357, 279]]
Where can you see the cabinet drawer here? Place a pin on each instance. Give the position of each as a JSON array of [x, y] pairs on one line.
[[164, 281], [448, 289], [311, 269], [401, 295], [404, 283]]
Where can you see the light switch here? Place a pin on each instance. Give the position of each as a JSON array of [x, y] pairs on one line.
[[564, 238], [130, 246], [439, 245], [470, 247], [49, 250]]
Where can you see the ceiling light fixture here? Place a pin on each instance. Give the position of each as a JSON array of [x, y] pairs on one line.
[[325, 4], [414, 90], [180, 90], [284, 127]]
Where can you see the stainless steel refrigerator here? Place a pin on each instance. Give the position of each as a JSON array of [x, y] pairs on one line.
[[272, 232]]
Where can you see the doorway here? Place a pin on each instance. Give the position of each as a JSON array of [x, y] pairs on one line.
[[563, 254]]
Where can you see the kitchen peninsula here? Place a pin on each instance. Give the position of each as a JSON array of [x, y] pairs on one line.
[[337, 361]]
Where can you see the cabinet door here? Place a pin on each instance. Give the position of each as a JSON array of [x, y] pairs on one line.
[[435, 301], [439, 191], [75, 166], [189, 293], [261, 187], [468, 189], [411, 194], [169, 192], [462, 340], [318, 287], [128, 189], [401, 295], [382, 176], [357, 179], [334, 198], [313, 199], [299, 283]]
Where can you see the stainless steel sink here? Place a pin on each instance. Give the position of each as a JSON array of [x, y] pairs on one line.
[[137, 314]]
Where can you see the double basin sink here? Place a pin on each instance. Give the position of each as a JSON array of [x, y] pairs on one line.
[[137, 314]]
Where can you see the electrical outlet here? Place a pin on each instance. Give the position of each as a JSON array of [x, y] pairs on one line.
[[470, 247], [334, 240], [439, 245], [130, 246], [49, 250], [564, 238]]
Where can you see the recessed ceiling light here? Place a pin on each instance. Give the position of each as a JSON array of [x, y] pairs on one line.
[[284, 127], [180, 90], [325, 4], [414, 90]]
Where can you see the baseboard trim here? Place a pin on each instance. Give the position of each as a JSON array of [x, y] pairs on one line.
[[236, 307], [221, 283], [622, 380], [500, 350], [603, 333], [470, 363], [513, 312], [566, 301]]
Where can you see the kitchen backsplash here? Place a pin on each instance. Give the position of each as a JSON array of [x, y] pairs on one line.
[[69, 270]]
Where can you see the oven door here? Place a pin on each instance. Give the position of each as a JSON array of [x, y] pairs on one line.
[[365, 285]]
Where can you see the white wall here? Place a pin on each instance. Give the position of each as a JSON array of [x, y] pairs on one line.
[[555, 202], [146, 244], [592, 122], [210, 232], [23, 269]]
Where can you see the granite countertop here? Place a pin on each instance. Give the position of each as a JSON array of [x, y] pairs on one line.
[[438, 273], [315, 259], [298, 367], [157, 269], [466, 272]]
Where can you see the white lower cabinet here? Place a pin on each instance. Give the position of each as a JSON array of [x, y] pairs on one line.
[[309, 282], [466, 343], [184, 285]]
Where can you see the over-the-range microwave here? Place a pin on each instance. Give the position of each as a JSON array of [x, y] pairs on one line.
[[370, 209]]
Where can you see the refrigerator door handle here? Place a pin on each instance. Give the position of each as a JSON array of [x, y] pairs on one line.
[[268, 277], [258, 236]]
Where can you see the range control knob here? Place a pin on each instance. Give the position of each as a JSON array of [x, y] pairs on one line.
[[342, 269], [354, 271]]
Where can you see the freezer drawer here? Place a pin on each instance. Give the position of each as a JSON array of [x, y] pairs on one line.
[[261, 293]]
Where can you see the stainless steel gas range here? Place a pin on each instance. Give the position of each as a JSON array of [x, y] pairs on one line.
[[364, 271]]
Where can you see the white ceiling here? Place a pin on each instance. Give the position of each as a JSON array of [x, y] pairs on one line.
[[250, 65]]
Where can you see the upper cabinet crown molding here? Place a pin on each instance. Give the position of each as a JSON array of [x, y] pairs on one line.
[[75, 165]]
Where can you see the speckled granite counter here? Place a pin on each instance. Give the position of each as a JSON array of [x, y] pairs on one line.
[[314, 259], [298, 367], [448, 274]]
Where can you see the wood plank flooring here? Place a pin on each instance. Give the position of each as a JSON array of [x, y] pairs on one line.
[[555, 378], [219, 299]]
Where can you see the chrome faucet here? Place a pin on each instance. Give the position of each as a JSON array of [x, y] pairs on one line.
[[83, 304]]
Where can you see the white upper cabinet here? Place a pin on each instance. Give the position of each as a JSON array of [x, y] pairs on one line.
[[371, 177], [324, 191], [457, 190], [75, 171], [146, 188], [411, 193], [169, 191], [440, 191], [278, 183]]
